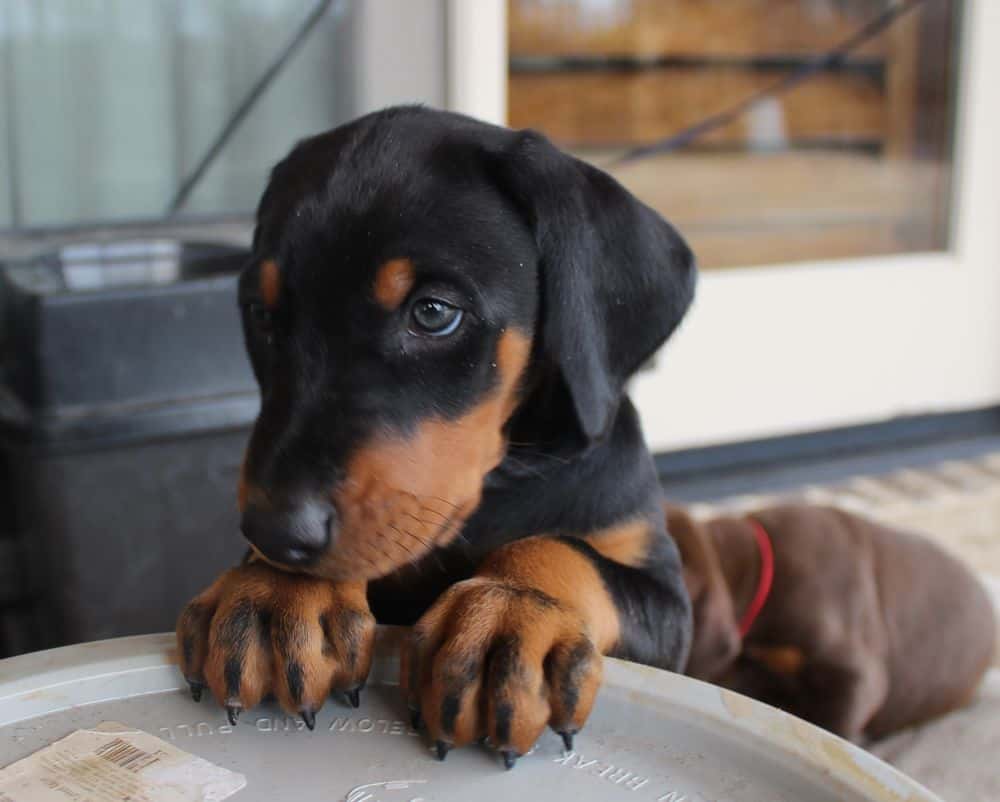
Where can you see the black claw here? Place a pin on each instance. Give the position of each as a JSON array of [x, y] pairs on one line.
[[196, 689], [509, 758], [354, 697], [233, 711], [309, 717], [416, 720], [567, 737], [442, 749]]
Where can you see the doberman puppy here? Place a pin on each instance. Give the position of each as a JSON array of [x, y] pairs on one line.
[[865, 629], [442, 315]]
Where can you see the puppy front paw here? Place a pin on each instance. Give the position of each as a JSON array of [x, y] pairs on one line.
[[497, 660], [258, 631]]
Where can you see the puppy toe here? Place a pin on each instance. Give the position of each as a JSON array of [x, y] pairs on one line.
[[239, 664], [303, 665], [574, 670], [192, 633], [451, 701], [349, 638], [417, 653], [517, 705]]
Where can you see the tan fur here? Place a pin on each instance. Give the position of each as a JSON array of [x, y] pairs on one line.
[[393, 282], [559, 570], [626, 543], [404, 496], [787, 660], [514, 634], [258, 660], [586, 680], [295, 607], [270, 283]]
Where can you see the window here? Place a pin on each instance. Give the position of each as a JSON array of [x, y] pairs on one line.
[[110, 104], [853, 159]]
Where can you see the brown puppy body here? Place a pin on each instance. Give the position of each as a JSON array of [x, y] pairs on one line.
[[866, 630]]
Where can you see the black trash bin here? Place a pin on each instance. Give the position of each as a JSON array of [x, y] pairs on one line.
[[125, 402]]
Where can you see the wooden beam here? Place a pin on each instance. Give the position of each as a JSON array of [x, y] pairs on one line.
[[720, 28], [620, 108]]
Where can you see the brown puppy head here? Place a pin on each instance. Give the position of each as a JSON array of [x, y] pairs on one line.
[[717, 640], [416, 278]]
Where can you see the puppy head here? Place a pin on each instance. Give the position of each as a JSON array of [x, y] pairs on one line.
[[416, 277], [717, 640]]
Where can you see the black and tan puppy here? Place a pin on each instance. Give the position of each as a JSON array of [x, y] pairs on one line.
[[839, 620], [442, 315]]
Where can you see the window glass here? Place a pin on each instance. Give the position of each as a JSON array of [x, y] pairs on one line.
[[106, 106], [850, 159]]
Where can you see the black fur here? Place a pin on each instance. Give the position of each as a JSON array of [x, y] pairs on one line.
[[642, 596], [615, 277]]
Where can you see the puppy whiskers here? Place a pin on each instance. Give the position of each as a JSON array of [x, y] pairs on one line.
[[428, 547]]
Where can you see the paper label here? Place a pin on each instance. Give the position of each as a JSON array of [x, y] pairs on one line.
[[113, 763]]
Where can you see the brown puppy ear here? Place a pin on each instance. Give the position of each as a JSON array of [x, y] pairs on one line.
[[696, 563], [694, 581], [717, 641], [616, 278]]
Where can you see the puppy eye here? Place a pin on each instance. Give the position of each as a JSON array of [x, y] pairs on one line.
[[435, 317]]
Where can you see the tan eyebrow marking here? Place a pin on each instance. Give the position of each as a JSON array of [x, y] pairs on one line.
[[270, 283], [393, 282]]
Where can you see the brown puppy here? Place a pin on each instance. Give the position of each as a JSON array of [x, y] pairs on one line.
[[864, 629]]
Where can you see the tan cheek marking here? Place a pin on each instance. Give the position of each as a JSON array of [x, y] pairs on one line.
[[242, 488], [393, 282], [626, 543], [270, 283], [513, 352], [247, 492], [405, 496], [562, 572], [786, 660]]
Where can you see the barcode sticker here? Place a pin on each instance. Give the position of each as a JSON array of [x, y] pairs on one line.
[[112, 763], [123, 754]]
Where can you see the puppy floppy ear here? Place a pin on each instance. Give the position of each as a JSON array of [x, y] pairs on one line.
[[616, 278], [717, 640]]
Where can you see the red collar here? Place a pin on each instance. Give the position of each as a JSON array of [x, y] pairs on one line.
[[766, 577]]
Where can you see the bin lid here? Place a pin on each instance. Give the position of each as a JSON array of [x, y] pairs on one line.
[[109, 265], [654, 736], [121, 340]]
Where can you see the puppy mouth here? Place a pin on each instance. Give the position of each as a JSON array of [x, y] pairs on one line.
[[403, 495], [382, 533]]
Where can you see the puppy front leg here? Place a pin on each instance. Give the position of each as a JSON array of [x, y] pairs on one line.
[[518, 647]]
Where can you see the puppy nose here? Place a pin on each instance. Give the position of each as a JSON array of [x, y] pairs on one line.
[[293, 535]]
